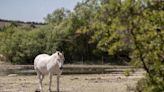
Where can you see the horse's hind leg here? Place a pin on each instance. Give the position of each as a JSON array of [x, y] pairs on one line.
[[40, 77]]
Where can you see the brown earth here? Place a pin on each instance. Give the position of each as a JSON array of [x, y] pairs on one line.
[[71, 83]]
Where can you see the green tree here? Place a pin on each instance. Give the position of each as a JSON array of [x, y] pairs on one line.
[[132, 26]]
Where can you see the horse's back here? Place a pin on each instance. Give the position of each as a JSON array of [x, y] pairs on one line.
[[40, 58], [40, 62]]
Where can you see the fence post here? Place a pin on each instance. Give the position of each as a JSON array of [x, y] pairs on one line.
[[102, 60]]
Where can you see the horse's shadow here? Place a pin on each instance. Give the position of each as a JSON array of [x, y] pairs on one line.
[[52, 91], [59, 91]]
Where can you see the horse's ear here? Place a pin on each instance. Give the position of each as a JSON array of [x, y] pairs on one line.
[[63, 52]]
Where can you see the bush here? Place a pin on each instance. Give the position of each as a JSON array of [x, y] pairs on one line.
[[21, 46], [145, 85]]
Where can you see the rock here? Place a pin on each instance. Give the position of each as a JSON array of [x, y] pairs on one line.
[[75, 78], [99, 78], [12, 75]]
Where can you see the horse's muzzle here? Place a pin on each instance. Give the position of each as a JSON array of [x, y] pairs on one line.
[[61, 68]]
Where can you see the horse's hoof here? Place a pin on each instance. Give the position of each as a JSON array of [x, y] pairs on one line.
[[37, 90]]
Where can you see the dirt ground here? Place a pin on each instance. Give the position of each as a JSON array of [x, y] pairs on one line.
[[71, 83]]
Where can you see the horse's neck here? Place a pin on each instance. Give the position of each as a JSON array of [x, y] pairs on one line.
[[53, 61], [53, 57]]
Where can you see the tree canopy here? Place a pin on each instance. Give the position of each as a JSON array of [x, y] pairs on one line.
[[121, 30]]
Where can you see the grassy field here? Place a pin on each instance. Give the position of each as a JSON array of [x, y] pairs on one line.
[[74, 82]]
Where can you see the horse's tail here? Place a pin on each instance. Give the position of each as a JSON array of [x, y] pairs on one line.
[[36, 61]]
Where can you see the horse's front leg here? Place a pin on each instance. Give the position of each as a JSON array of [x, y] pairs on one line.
[[50, 81], [58, 77]]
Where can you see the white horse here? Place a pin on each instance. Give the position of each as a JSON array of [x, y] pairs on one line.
[[46, 64]]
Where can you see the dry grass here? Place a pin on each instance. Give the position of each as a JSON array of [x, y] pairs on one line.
[[71, 83]]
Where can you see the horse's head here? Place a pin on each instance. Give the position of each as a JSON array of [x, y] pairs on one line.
[[61, 59]]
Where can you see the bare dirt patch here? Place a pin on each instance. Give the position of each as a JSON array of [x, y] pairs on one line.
[[72, 83]]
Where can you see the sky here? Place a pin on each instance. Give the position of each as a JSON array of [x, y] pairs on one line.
[[32, 10]]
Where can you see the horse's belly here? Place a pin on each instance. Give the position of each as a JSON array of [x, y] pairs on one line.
[[43, 70]]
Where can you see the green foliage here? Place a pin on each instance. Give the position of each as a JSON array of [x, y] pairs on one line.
[[134, 27], [128, 30], [17, 45], [127, 73], [57, 16]]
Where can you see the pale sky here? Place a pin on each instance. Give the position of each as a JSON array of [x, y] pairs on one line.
[[32, 10]]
